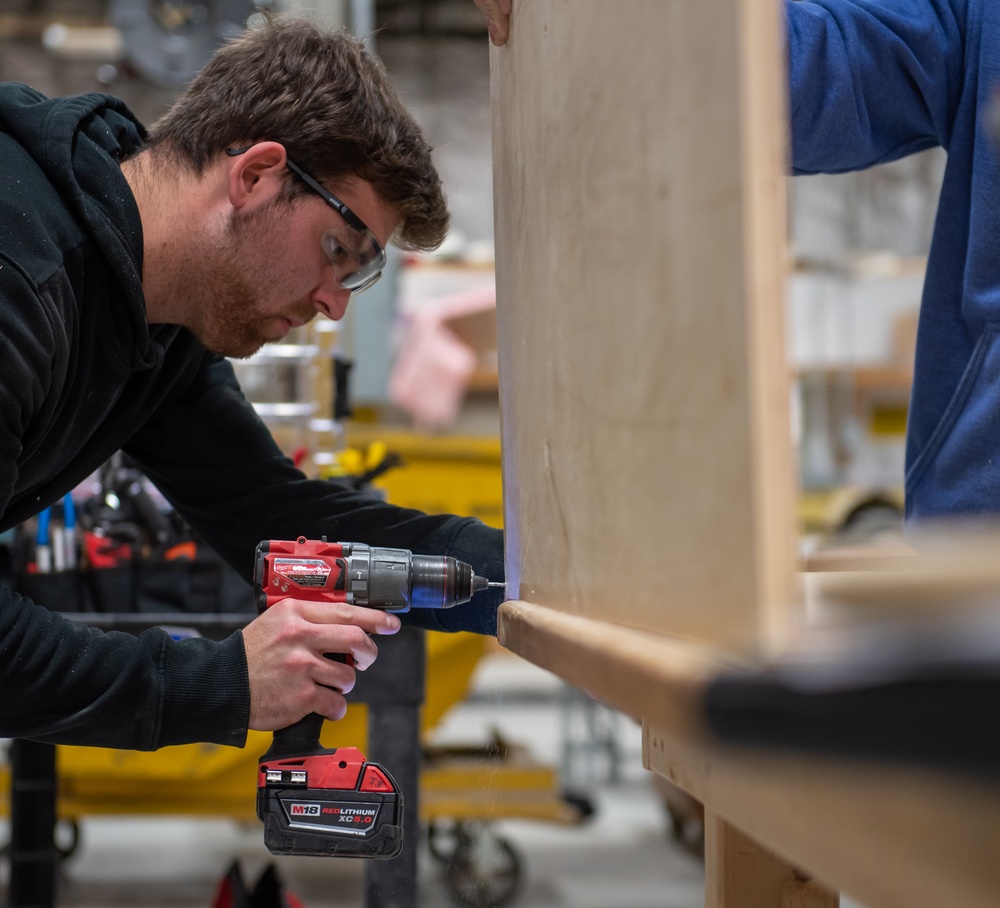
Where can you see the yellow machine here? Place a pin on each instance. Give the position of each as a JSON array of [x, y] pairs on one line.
[[439, 475]]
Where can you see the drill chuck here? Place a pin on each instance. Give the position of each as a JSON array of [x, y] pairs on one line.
[[441, 582]]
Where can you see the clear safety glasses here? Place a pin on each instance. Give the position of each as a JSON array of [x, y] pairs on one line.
[[357, 257]]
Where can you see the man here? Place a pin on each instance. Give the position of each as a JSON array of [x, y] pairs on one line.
[[872, 81], [129, 267]]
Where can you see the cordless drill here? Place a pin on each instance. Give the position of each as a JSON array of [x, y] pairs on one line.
[[331, 801]]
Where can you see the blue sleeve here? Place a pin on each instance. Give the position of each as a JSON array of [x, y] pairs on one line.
[[872, 80]]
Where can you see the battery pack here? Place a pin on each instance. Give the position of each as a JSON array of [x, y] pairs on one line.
[[330, 805]]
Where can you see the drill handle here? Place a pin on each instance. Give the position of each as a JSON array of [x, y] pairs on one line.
[[298, 740], [302, 738]]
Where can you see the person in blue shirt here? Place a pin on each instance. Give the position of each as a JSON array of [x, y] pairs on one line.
[[871, 81]]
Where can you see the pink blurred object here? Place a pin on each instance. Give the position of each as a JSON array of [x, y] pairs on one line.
[[440, 349]]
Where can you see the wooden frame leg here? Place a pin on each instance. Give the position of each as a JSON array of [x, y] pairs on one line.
[[741, 873]]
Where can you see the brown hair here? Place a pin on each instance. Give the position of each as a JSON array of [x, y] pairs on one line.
[[324, 97]]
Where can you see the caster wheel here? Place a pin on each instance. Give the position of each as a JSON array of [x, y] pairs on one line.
[[67, 838], [483, 872]]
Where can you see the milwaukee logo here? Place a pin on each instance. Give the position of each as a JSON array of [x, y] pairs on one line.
[[309, 572], [305, 810]]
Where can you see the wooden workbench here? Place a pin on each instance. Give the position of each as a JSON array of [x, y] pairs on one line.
[[782, 829]]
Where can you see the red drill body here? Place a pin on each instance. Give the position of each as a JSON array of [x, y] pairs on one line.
[[394, 580]]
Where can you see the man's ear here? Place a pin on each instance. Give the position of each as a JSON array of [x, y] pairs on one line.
[[257, 175]]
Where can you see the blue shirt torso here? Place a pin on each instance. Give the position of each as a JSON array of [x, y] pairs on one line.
[[872, 81]]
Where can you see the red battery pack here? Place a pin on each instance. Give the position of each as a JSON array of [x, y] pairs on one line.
[[335, 804]]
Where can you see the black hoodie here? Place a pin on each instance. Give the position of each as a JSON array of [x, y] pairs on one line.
[[82, 376]]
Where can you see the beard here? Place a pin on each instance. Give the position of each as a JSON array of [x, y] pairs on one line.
[[229, 281]]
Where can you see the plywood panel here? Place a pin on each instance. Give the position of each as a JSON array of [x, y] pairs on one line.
[[638, 181]]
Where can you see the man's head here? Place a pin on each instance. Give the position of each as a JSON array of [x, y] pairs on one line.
[[328, 101], [314, 111]]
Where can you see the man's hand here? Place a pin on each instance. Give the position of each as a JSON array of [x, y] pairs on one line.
[[497, 13], [290, 676]]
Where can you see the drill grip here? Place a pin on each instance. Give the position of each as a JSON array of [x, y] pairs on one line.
[[302, 738], [298, 740]]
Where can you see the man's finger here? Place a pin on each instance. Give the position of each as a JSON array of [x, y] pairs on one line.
[[334, 675], [369, 619], [329, 704], [497, 13], [346, 640]]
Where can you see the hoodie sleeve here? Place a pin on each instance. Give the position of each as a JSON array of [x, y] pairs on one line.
[[215, 460], [66, 683], [61, 681], [872, 80]]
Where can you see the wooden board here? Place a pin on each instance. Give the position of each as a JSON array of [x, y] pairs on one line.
[[741, 872], [639, 155], [889, 836], [645, 675]]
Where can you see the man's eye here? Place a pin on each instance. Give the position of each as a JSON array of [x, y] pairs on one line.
[[337, 252]]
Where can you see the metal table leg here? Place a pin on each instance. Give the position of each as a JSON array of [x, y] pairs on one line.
[[34, 860], [394, 691]]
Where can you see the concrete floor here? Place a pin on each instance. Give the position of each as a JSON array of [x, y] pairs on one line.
[[623, 856]]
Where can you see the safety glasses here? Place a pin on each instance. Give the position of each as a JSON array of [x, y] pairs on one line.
[[357, 257]]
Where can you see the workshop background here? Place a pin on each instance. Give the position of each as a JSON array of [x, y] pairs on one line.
[[402, 397]]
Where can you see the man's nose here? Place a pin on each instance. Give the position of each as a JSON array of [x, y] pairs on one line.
[[331, 300]]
